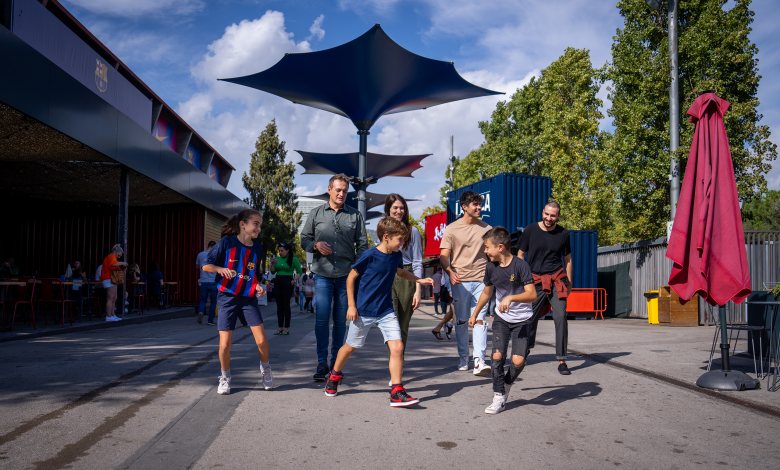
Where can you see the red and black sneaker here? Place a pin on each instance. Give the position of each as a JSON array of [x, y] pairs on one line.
[[399, 397], [332, 385]]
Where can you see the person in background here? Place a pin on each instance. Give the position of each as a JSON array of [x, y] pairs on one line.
[[154, 284], [436, 289], [207, 287], [308, 283], [446, 307], [285, 266], [110, 264]]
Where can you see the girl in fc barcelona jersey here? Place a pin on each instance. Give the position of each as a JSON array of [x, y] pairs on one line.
[[236, 260]]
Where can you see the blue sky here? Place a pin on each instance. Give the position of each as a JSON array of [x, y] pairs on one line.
[[180, 47]]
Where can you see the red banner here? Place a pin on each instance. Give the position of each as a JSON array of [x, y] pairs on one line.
[[434, 230]]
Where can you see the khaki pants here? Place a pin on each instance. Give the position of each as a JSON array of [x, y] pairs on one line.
[[403, 292]]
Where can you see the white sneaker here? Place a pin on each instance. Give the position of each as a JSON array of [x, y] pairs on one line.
[[224, 386], [481, 368], [113, 318], [267, 377], [463, 364], [497, 406]]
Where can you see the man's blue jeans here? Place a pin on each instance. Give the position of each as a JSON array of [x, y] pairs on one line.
[[208, 291], [330, 302], [466, 295]]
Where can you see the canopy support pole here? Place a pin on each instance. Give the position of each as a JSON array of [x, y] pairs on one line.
[[726, 379], [361, 181]]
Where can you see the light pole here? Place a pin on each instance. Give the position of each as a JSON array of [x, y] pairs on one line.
[[674, 103]]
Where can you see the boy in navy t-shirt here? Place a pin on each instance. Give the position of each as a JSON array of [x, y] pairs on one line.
[[372, 277]]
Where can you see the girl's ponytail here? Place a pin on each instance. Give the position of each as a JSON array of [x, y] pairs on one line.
[[232, 226]]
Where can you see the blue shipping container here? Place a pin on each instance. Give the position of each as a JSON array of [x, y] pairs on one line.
[[511, 201], [584, 251]]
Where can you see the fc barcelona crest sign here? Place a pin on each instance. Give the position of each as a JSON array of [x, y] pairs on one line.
[[101, 75]]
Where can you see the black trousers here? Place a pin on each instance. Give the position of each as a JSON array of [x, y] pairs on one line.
[[559, 318], [283, 288], [503, 334]]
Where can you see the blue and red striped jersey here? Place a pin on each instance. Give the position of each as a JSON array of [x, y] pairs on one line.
[[245, 260]]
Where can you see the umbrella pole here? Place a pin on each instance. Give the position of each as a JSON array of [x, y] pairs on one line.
[[726, 379]]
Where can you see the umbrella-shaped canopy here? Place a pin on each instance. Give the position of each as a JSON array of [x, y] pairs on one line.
[[707, 243], [707, 240], [377, 165], [372, 199], [363, 79]]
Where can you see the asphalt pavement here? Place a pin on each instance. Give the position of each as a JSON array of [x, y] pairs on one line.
[[144, 396]]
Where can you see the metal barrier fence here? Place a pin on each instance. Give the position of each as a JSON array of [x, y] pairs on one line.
[[648, 268]]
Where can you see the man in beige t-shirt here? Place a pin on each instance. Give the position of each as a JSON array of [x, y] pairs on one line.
[[462, 257]]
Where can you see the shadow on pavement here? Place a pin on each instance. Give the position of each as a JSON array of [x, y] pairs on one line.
[[557, 394]]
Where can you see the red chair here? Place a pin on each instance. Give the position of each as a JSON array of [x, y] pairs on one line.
[[53, 292], [26, 296]]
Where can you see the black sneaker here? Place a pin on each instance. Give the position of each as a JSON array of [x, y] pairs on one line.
[[563, 369], [399, 397], [332, 386], [321, 374]]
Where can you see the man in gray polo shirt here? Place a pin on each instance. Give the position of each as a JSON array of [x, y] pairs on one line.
[[336, 234]]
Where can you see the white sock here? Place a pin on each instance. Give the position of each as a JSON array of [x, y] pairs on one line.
[[265, 364], [226, 373]]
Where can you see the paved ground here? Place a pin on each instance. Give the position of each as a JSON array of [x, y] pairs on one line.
[[144, 396]]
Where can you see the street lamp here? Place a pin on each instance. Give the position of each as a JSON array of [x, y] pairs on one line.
[[674, 103]]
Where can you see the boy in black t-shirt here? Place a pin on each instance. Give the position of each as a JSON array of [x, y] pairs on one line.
[[513, 283]]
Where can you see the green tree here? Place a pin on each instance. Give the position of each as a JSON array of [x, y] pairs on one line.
[[763, 213], [715, 53], [271, 188], [550, 128]]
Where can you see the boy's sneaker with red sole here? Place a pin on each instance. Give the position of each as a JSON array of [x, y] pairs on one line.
[[399, 397], [332, 385]]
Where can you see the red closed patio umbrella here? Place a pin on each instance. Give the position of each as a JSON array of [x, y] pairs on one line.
[[707, 242]]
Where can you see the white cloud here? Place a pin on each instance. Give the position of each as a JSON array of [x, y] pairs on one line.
[[138, 8], [514, 36], [315, 30], [248, 47]]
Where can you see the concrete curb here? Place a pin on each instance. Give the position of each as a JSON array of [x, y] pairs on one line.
[[168, 314]]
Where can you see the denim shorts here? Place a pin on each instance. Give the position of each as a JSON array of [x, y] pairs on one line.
[[107, 283], [229, 306], [358, 329]]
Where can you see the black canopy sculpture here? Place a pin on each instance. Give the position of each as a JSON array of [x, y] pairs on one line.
[[371, 200], [362, 80], [377, 165]]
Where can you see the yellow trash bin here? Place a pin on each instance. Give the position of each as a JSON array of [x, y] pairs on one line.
[[652, 307]]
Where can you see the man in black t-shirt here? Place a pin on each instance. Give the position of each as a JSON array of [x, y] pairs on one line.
[[545, 246]]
